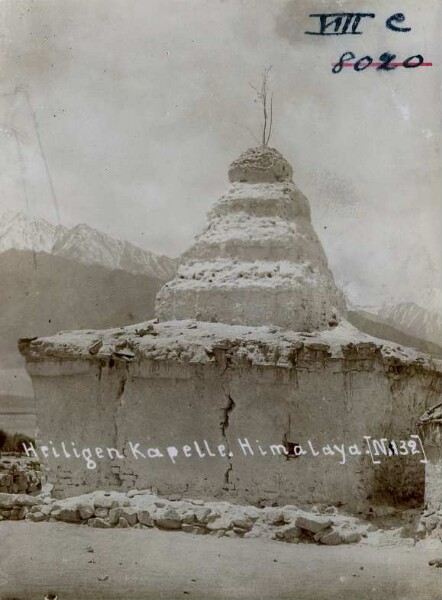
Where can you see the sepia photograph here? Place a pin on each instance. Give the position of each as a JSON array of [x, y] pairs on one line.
[[220, 300]]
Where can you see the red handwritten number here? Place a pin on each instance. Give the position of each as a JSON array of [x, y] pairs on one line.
[[386, 64]]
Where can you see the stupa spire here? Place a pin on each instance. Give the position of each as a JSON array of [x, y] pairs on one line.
[[259, 261]]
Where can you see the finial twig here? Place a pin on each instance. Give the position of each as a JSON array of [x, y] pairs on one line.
[[267, 107]]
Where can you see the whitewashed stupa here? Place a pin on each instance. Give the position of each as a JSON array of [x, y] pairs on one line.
[[248, 378], [259, 261]]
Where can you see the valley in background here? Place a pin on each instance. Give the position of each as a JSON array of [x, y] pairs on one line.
[[54, 278]]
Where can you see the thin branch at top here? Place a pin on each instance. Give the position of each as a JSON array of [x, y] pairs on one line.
[[263, 96]]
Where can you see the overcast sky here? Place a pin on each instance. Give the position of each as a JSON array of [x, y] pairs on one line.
[[142, 104]]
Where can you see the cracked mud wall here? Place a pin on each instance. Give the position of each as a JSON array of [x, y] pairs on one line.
[[173, 405], [317, 405], [77, 402], [402, 479], [168, 403]]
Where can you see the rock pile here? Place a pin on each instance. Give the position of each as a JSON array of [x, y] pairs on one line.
[[430, 522], [144, 509], [19, 476], [16, 506]]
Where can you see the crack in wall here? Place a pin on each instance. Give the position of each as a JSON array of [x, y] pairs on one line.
[[119, 399], [122, 385], [100, 468], [118, 406], [286, 439], [225, 423]]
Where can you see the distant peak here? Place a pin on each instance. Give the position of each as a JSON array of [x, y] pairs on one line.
[[21, 216], [81, 243], [83, 227]]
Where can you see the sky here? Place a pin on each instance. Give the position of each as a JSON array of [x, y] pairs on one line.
[[133, 109]]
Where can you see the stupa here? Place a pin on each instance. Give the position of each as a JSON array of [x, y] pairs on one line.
[[259, 261], [250, 384]]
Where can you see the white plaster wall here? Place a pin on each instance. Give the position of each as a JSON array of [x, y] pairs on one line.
[[161, 403]]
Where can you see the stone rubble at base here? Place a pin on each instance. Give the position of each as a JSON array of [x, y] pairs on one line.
[[143, 509], [19, 475]]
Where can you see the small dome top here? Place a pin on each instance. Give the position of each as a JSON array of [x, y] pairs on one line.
[[260, 165]]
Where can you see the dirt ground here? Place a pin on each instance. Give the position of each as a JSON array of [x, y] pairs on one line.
[[150, 564]]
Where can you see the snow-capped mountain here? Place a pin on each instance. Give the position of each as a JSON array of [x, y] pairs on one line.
[[420, 321], [414, 320], [21, 232], [82, 244], [87, 245]]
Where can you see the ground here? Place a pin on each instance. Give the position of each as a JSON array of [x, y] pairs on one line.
[[140, 564]]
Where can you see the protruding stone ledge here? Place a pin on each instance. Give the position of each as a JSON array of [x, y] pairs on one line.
[[199, 343]]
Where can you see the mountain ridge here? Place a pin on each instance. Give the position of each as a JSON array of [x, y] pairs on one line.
[[409, 318], [43, 293], [373, 325], [414, 320], [405, 322], [82, 243]]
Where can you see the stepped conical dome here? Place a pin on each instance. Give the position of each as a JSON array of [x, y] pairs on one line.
[[259, 261]]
